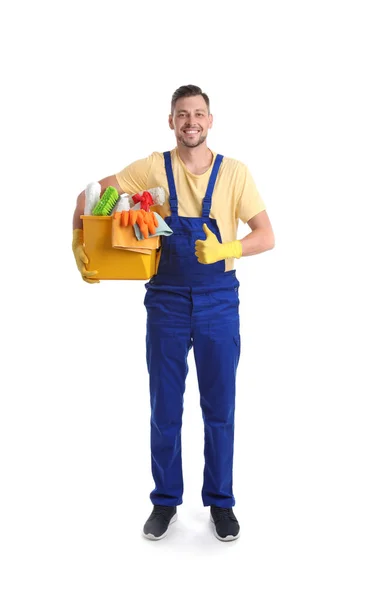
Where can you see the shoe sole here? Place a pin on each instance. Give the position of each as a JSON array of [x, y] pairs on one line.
[[152, 537], [228, 538]]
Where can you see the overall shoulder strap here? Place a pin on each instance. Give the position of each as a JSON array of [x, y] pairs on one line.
[[207, 202], [173, 200]]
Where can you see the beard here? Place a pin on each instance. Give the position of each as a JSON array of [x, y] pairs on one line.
[[191, 144]]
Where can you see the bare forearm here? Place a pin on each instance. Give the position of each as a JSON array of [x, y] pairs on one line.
[[257, 241]]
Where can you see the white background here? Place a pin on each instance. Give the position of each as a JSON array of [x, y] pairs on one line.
[[86, 90]]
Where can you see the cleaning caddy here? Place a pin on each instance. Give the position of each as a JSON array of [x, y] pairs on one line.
[[121, 233]]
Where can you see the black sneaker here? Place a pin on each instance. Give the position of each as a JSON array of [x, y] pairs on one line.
[[226, 526], [159, 520]]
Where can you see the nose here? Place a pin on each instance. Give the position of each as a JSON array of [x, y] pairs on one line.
[[190, 123]]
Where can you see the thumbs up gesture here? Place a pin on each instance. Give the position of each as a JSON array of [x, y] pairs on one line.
[[210, 250]]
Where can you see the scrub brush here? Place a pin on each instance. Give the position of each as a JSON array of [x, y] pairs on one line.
[[105, 205], [92, 193]]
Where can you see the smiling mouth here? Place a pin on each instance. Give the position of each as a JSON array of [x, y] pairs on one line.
[[191, 131]]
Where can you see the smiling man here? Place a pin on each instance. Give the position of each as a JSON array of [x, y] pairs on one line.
[[193, 302], [189, 135]]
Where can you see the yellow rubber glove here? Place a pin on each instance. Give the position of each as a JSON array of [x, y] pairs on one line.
[[81, 257], [211, 250]]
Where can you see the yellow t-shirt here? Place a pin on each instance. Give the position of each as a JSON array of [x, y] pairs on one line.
[[235, 195]]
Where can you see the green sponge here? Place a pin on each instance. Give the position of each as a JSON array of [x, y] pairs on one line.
[[106, 204]]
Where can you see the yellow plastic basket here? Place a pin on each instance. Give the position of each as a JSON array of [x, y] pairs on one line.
[[114, 263]]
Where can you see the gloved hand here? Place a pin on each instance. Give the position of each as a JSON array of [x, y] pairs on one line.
[[211, 250], [81, 257]]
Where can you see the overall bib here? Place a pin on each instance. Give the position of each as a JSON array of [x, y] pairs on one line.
[[192, 305]]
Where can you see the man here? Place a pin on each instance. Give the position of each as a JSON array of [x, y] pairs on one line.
[[193, 301]]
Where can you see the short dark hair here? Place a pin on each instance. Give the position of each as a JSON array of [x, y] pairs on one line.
[[185, 92]]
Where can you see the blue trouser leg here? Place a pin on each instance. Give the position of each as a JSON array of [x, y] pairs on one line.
[[211, 319], [217, 351], [168, 343]]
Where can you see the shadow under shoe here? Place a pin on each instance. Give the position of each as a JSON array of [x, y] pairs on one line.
[[157, 525], [225, 524]]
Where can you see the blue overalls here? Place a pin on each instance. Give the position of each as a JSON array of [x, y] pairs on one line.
[[190, 304]]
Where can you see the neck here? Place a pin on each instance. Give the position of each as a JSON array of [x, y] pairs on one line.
[[196, 159]]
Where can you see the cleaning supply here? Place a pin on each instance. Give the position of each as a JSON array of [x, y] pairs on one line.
[[145, 199], [161, 229], [210, 250], [115, 252], [158, 195], [92, 196], [81, 258], [108, 200], [132, 217], [123, 203], [147, 222], [123, 211], [114, 244], [145, 219], [124, 238], [123, 216]]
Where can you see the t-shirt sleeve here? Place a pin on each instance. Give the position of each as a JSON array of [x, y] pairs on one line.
[[134, 177], [249, 202]]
